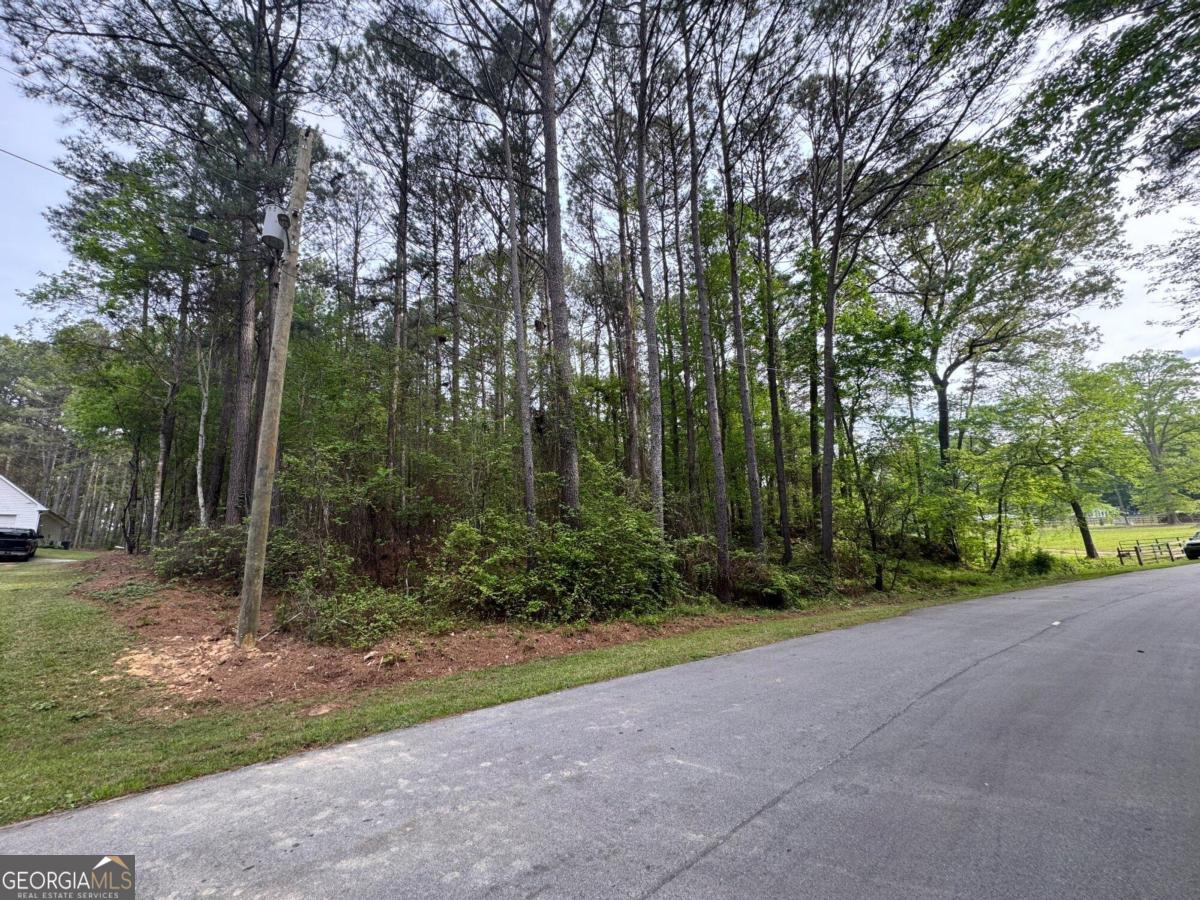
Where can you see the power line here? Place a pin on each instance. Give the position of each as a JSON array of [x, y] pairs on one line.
[[230, 180], [93, 183], [235, 181], [33, 162]]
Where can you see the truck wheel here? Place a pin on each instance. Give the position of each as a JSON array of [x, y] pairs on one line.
[[1192, 555]]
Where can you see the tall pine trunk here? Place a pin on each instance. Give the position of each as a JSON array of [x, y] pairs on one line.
[[689, 400], [633, 448], [555, 284], [524, 415], [396, 445], [830, 388], [166, 429], [241, 443], [772, 335], [203, 379], [732, 239], [724, 581], [649, 311]]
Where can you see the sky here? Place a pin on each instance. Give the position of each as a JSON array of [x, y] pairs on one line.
[[27, 249]]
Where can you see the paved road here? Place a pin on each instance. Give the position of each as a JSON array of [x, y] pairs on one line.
[[1041, 744]]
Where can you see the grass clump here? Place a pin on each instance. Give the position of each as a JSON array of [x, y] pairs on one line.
[[125, 593], [1031, 562]]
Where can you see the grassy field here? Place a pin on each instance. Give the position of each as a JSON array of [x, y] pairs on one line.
[[1107, 537], [74, 728]]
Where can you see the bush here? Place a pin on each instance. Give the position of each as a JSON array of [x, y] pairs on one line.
[[757, 582], [354, 612], [696, 561], [615, 563], [216, 553], [1026, 563], [219, 554]]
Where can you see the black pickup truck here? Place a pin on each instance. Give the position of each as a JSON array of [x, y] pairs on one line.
[[18, 543]]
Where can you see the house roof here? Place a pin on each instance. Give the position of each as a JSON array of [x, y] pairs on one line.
[[41, 507], [28, 496]]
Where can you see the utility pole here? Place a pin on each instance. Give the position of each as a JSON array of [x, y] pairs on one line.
[[268, 434]]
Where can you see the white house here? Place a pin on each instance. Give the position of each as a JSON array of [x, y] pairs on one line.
[[19, 510]]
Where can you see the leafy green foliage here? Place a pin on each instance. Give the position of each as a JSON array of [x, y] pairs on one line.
[[1026, 563], [1127, 100], [696, 562], [354, 612], [952, 266], [218, 554], [1164, 414], [757, 582], [615, 563]]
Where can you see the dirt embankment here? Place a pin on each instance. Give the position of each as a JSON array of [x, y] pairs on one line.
[[185, 643]]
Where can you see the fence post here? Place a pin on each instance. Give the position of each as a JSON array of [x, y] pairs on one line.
[[1137, 548]]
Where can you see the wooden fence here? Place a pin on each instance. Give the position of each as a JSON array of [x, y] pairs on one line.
[[1141, 552], [1151, 551]]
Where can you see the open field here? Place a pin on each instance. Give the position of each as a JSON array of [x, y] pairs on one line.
[[1107, 537]]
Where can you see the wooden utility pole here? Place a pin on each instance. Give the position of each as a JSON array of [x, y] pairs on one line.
[[268, 434]]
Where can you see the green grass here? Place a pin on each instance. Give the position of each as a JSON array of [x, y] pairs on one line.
[[1108, 536], [74, 729], [48, 553]]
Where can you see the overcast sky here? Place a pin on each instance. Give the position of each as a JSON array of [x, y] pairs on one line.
[[33, 130]]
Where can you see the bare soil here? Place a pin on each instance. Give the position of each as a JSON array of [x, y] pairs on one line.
[[184, 642]]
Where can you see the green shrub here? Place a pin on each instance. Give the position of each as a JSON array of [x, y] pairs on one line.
[[218, 553], [696, 561], [757, 582], [1028, 563], [615, 563], [354, 613], [215, 553]]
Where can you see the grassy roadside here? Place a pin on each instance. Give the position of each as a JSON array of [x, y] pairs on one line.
[[49, 553], [74, 729]]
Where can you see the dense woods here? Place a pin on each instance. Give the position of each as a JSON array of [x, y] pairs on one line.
[[599, 302]]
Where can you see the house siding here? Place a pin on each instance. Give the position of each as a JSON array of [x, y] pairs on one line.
[[16, 509]]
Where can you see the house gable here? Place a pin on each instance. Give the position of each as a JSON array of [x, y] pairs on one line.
[[17, 508]]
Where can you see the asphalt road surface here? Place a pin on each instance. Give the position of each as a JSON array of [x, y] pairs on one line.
[[1040, 744]]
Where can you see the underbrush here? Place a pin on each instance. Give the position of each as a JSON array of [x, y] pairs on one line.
[[322, 595], [218, 553], [334, 604], [757, 580], [1025, 563], [615, 564], [1020, 570]]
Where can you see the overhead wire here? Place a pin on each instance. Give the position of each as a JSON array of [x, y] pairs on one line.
[[501, 311], [181, 220]]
